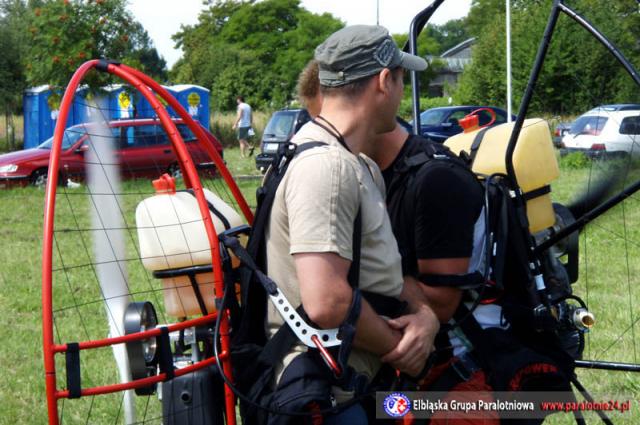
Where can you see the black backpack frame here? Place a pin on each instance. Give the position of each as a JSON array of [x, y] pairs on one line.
[[534, 337]]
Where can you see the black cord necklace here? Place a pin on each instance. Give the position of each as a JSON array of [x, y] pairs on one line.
[[331, 130]]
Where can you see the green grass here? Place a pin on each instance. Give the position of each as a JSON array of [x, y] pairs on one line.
[[609, 282]]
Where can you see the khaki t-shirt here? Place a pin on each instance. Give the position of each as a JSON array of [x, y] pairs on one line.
[[314, 211]]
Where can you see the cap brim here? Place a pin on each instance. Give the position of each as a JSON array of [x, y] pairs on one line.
[[412, 62]]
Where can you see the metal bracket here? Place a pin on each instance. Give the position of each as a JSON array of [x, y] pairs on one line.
[[302, 330]]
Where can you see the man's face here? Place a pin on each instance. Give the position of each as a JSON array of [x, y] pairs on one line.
[[391, 103]]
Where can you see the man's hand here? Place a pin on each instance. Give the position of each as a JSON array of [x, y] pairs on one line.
[[418, 332]]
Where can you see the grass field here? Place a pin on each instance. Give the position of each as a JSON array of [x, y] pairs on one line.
[[609, 282]]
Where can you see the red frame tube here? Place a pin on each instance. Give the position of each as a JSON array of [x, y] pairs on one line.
[[99, 343], [142, 83], [144, 382]]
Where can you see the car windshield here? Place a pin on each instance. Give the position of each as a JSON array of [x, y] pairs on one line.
[[592, 125], [281, 124], [433, 117], [71, 136]]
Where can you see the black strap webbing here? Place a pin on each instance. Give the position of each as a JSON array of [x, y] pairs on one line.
[[215, 212], [532, 194], [72, 358], [473, 331], [476, 144], [462, 281], [198, 294], [353, 277], [165, 358]]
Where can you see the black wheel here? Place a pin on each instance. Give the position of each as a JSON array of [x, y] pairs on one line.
[[39, 178], [175, 171]]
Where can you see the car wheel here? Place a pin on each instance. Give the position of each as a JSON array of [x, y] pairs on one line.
[[175, 171], [39, 178]]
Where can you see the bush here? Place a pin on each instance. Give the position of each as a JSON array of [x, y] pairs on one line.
[[574, 160]]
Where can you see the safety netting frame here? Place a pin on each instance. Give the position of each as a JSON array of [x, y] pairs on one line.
[[148, 88]]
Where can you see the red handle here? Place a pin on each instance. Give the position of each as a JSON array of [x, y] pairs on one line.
[[471, 121], [326, 356]]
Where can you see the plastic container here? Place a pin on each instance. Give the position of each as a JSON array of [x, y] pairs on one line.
[[534, 161], [172, 236]]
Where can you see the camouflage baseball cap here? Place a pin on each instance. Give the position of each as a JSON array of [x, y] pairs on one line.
[[359, 51]]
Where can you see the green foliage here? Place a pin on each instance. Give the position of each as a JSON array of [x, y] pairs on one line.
[[64, 34], [574, 161], [578, 72], [12, 46], [254, 49]]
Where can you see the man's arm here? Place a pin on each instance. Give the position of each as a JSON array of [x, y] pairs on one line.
[[443, 300], [238, 117], [326, 296], [449, 201]]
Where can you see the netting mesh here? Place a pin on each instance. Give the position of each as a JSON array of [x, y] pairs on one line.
[[106, 172]]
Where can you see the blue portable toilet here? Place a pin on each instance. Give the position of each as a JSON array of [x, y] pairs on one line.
[[41, 109], [89, 106], [144, 109], [120, 102], [195, 100]]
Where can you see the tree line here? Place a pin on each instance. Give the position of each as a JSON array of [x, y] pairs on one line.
[[257, 48]]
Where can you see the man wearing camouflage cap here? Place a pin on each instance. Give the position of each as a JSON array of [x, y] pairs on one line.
[[329, 197]]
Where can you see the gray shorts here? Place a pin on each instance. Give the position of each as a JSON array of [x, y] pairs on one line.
[[243, 133]]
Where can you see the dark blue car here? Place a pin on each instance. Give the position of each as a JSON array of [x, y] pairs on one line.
[[439, 124]]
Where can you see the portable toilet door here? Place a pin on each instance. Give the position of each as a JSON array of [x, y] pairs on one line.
[[90, 106], [32, 109], [144, 109], [195, 99], [53, 101], [120, 101], [41, 109]]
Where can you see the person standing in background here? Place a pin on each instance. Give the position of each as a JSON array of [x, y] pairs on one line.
[[243, 123]]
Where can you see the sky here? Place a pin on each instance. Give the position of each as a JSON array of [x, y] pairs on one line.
[[396, 15]]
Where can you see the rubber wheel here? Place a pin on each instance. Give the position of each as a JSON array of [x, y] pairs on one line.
[[175, 171], [39, 178]]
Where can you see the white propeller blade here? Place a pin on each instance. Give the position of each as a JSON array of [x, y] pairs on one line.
[[103, 178]]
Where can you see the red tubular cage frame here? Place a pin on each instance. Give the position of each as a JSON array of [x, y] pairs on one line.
[[145, 86]]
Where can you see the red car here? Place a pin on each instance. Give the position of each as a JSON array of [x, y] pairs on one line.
[[142, 147]]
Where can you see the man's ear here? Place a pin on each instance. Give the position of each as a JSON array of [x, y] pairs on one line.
[[384, 80]]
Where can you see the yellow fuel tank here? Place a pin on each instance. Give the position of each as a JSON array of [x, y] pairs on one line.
[[534, 161]]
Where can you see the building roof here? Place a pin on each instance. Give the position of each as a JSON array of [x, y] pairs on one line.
[[459, 47]]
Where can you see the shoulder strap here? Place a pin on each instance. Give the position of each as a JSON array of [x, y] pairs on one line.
[[265, 196], [476, 145]]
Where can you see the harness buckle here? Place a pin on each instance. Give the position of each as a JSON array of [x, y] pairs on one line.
[[465, 366]]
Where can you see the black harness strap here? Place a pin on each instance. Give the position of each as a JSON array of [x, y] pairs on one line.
[[353, 276], [535, 193], [72, 358], [198, 294], [215, 212], [477, 141], [165, 357], [461, 281]]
